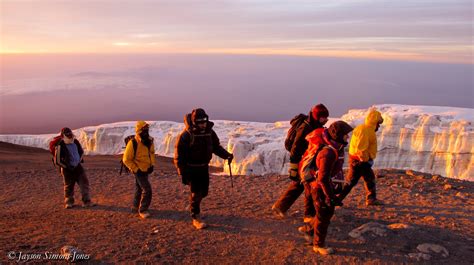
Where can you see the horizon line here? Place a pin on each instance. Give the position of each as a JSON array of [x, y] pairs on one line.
[[357, 55]]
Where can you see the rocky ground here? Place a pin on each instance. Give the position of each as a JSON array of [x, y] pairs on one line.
[[420, 209]]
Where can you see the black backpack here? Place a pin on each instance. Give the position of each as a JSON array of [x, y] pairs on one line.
[[296, 122], [135, 144]]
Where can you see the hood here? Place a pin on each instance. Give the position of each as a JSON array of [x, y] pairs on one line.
[[188, 123], [315, 137], [314, 123], [338, 129], [199, 115], [140, 125], [373, 117]]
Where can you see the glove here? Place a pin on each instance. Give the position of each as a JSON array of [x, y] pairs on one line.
[[184, 176], [336, 201], [333, 202], [293, 171], [370, 162], [230, 158], [150, 170], [313, 185], [185, 180]]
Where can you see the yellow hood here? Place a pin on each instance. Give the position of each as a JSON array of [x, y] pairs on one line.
[[140, 125], [373, 118]]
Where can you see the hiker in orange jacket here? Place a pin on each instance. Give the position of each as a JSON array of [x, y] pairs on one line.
[[321, 163], [362, 152]]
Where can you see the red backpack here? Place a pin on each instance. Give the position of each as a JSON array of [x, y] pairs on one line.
[[52, 148], [53, 144], [307, 166]]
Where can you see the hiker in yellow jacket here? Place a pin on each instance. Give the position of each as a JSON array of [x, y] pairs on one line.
[[140, 162], [362, 152]]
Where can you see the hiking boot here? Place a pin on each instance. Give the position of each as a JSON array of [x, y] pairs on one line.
[[89, 204], [374, 203], [276, 211], [323, 251], [198, 223], [306, 229], [144, 214], [68, 205]]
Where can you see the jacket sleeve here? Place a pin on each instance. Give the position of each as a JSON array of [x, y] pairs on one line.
[[217, 148], [325, 162], [57, 158], [361, 145], [152, 153], [299, 145], [128, 157], [180, 151], [372, 150]]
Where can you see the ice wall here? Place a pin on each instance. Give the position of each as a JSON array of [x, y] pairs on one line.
[[437, 140]]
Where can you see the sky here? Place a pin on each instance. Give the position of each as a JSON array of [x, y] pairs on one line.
[[79, 63], [430, 30]]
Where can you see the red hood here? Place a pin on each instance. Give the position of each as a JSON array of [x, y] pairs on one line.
[[315, 137]]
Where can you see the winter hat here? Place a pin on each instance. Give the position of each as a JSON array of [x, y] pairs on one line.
[[66, 132], [319, 111], [199, 115], [140, 126], [338, 129]]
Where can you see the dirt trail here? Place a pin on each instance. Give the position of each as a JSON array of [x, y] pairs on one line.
[[242, 228]]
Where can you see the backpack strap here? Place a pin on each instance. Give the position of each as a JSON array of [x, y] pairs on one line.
[[191, 136], [335, 160], [135, 147], [320, 148]]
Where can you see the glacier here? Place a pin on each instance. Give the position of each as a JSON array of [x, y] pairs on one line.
[[435, 140]]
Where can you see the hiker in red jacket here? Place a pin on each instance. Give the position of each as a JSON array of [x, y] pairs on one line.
[[321, 163]]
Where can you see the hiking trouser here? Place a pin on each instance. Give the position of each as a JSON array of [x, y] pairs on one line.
[[321, 223], [288, 198], [358, 169], [143, 193], [318, 227], [71, 177], [199, 186]]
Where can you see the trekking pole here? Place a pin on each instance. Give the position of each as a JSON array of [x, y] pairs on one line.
[[230, 174]]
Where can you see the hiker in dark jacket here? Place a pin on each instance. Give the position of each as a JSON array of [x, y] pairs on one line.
[[193, 152], [69, 156], [317, 117], [329, 162]]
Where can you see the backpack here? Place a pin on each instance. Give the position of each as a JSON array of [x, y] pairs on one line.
[[53, 144], [135, 144], [307, 167], [296, 122], [52, 149]]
